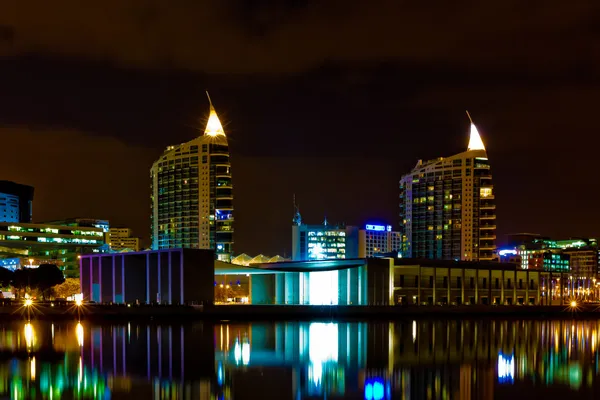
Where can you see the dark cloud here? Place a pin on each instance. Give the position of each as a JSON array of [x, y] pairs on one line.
[[219, 36]]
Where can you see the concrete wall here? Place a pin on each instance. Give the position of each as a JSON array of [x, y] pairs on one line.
[[262, 289]]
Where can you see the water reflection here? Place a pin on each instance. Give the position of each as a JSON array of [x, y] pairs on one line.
[[297, 360]]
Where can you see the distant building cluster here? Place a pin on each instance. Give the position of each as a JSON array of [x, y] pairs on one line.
[[61, 242], [579, 256]]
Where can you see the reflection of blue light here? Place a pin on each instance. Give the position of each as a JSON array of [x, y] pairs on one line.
[[506, 368], [374, 389], [220, 374]]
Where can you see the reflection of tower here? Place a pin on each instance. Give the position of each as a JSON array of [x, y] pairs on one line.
[[466, 374]]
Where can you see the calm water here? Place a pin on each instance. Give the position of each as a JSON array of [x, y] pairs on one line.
[[401, 360]]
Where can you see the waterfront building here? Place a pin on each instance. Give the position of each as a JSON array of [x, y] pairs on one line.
[[377, 240], [172, 276], [192, 194], [447, 207], [320, 242], [121, 239], [400, 281], [16, 202], [29, 245]]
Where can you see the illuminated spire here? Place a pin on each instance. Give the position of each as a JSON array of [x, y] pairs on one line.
[[213, 126], [475, 142]]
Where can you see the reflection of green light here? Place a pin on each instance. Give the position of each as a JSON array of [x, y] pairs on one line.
[[575, 376]]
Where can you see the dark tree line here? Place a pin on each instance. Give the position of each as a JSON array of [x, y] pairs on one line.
[[42, 278]]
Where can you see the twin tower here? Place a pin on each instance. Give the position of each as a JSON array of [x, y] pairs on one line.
[[447, 205]]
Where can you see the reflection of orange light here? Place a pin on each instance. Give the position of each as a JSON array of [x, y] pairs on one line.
[[29, 335], [32, 368], [79, 333]]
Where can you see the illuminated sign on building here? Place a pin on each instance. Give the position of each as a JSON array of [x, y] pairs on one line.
[[11, 263], [379, 228], [507, 252]]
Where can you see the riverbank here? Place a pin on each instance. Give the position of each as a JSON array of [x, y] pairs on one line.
[[273, 312]]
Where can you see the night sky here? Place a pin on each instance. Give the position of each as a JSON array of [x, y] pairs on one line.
[[330, 100]]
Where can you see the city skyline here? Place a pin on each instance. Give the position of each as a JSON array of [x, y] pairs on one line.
[[95, 117]]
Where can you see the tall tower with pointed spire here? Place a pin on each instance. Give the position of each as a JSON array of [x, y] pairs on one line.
[[447, 206], [192, 193]]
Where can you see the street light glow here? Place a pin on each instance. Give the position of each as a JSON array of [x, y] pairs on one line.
[[573, 304], [28, 303]]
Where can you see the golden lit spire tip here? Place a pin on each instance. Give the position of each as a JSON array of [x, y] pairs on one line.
[[475, 142], [213, 126]]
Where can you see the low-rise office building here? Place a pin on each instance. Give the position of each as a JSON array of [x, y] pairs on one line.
[[409, 281], [121, 239], [35, 244], [399, 281]]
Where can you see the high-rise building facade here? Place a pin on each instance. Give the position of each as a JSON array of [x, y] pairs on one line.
[[380, 240], [15, 202], [447, 207], [192, 194]]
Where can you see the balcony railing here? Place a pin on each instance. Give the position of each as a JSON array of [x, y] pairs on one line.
[[491, 226]]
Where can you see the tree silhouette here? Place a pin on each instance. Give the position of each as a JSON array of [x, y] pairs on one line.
[[6, 276], [22, 279], [45, 277]]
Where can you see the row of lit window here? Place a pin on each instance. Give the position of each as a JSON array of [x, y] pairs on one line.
[[326, 233]]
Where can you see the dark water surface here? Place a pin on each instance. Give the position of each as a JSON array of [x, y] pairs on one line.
[[301, 360]]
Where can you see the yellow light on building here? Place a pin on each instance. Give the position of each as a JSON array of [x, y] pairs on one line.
[[213, 126]]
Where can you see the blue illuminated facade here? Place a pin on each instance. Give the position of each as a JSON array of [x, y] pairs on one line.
[[16, 202]]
